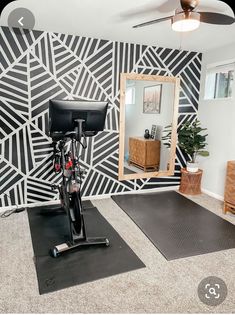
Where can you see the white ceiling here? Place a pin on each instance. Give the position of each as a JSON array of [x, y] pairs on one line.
[[107, 19]]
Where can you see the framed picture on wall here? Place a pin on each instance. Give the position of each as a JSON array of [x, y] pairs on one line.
[[152, 99]]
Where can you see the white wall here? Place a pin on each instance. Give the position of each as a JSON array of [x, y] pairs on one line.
[[219, 117], [136, 121]]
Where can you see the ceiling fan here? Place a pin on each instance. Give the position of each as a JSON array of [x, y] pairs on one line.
[[187, 18]]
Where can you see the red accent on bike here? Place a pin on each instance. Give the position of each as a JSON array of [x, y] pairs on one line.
[[69, 165], [57, 167]]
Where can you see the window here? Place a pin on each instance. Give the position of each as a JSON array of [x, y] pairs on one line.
[[219, 81], [130, 95]]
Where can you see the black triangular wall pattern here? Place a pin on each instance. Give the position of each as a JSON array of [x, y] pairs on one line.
[[38, 66]]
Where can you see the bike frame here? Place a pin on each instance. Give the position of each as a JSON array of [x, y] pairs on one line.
[[70, 196]]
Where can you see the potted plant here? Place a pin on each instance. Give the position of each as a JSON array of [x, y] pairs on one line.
[[190, 140]]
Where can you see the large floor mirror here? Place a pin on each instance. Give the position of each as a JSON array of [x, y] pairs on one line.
[[148, 104]]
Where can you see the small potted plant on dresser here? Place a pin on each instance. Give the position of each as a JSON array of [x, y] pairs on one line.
[[192, 142]]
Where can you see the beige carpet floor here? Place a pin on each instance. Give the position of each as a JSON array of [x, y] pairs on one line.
[[162, 287]]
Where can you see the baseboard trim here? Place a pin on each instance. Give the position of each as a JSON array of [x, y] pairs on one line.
[[30, 205], [105, 196], [210, 193], [132, 192]]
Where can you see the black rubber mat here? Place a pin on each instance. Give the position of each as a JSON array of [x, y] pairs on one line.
[[87, 204], [177, 226], [128, 171], [49, 228]]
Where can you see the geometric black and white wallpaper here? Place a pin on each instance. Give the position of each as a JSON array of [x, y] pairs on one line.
[[38, 66]]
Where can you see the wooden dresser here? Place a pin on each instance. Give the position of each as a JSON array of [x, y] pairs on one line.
[[229, 194], [144, 153]]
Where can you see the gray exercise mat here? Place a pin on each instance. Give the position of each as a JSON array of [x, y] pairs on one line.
[[177, 226], [48, 226], [127, 171]]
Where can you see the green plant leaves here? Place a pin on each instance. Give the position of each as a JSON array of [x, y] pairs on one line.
[[203, 153], [190, 138]]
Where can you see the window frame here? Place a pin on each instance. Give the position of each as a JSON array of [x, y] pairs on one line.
[[212, 69]]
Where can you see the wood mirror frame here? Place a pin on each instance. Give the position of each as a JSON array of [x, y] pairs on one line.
[[133, 76]]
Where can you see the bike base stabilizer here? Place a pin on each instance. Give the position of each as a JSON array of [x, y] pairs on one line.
[[65, 247]]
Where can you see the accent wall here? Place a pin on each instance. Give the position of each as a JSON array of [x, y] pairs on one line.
[[38, 66]]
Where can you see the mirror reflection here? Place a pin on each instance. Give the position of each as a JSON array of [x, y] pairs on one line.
[[150, 104]]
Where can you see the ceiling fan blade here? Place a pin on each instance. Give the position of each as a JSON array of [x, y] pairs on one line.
[[216, 18], [153, 21]]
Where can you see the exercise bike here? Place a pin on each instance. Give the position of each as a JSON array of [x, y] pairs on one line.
[[70, 187]]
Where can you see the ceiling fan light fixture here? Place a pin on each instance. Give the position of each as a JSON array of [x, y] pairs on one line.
[[186, 22]]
